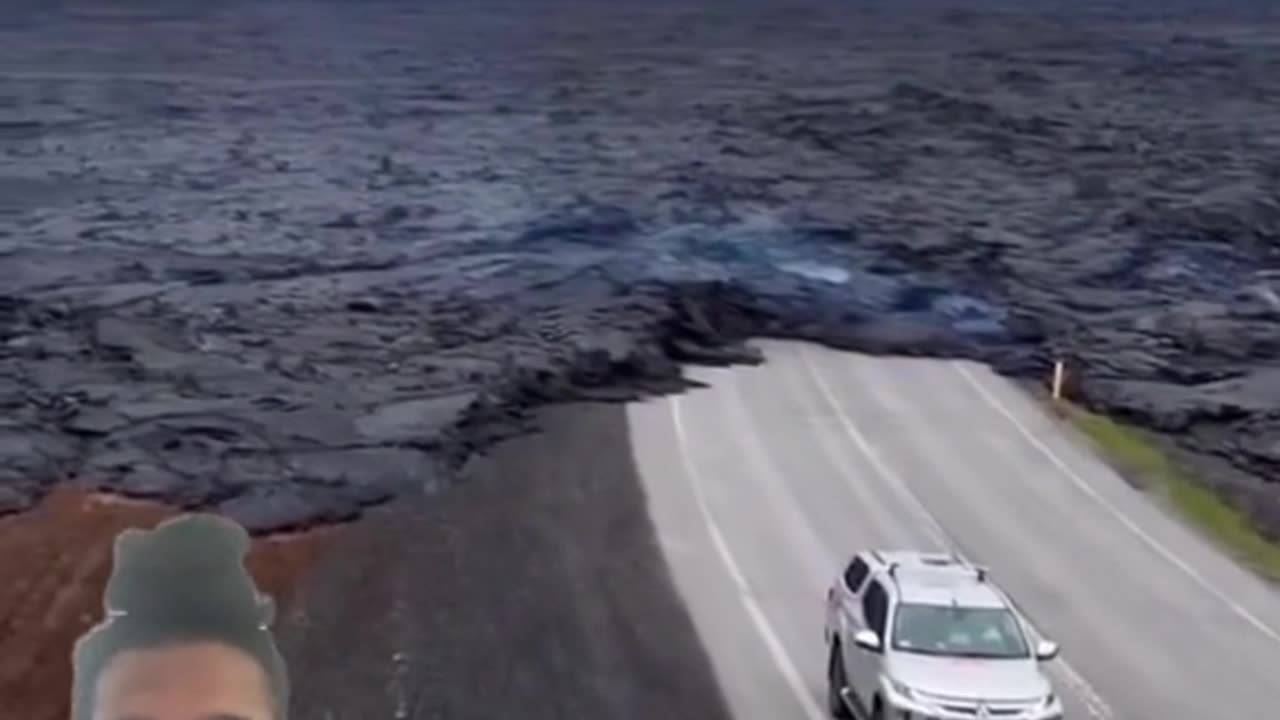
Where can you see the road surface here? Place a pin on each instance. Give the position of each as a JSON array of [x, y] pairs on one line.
[[761, 486]]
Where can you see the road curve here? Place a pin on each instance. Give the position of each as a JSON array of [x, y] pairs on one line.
[[762, 485]]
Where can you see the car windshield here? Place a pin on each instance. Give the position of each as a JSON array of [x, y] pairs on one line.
[[958, 631]]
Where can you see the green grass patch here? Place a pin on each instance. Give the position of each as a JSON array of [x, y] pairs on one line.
[[1134, 455]]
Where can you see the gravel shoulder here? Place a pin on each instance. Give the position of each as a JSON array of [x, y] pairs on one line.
[[534, 586]]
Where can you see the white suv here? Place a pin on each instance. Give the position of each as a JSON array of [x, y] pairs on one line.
[[920, 636]]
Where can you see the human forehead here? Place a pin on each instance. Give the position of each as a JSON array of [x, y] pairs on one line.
[[187, 681]]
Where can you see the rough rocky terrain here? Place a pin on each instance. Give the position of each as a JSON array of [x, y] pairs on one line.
[[291, 259]]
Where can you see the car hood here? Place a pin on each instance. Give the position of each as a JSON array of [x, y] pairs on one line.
[[969, 678]]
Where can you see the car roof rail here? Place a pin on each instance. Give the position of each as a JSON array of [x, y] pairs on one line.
[[893, 577], [979, 571]]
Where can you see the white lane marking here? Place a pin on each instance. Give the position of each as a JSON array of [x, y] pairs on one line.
[[835, 451], [771, 640], [1116, 512], [820, 563], [1094, 703], [930, 524]]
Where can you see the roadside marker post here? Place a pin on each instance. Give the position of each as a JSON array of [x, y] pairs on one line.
[[1059, 372]]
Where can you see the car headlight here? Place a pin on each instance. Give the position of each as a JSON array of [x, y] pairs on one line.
[[1049, 708], [901, 689]]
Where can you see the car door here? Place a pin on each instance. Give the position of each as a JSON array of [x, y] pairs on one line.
[[864, 665]]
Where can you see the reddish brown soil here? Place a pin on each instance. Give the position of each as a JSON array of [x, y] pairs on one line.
[[54, 562]]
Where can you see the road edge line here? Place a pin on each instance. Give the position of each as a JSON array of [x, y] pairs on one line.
[[791, 674], [1133, 527]]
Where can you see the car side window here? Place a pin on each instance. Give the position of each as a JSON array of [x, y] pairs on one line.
[[855, 574], [875, 607]]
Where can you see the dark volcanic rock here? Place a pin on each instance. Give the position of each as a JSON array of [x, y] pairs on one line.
[[289, 259]]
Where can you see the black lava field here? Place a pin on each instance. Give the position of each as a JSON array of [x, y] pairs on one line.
[[291, 259]]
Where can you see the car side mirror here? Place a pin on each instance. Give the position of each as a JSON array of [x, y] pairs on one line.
[[867, 640], [1046, 650]]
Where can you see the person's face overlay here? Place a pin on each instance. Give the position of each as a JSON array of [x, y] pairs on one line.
[[192, 681]]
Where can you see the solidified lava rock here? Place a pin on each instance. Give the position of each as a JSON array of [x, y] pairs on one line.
[[319, 260]]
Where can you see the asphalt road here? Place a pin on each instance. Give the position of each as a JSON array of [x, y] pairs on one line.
[[761, 486]]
